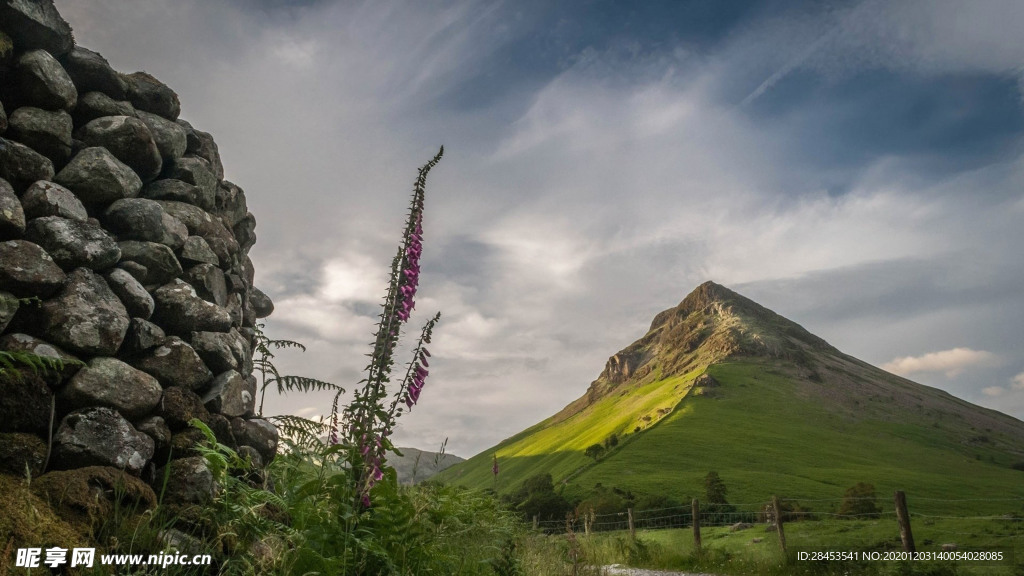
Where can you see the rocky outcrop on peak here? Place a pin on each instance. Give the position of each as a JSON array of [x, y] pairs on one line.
[[124, 253], [711, 323]]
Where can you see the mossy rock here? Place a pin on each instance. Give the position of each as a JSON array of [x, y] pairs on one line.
[[27, 521], [92, 494], [6, 52], [20, 452]]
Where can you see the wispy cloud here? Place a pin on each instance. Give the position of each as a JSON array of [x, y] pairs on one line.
[[587, 185]]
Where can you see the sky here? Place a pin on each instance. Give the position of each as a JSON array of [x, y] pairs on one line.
[[857, 167]]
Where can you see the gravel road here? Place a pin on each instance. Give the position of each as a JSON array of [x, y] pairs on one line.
[[619, 570]]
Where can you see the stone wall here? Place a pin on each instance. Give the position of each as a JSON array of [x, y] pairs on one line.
[[114, 212]]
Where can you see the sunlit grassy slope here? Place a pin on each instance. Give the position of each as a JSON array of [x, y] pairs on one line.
[[796, 418]]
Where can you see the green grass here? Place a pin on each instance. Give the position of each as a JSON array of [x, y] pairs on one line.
[[557, 447], [756, 550], [766, 433]]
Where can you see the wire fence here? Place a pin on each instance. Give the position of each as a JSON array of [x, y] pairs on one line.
[[855, 521]]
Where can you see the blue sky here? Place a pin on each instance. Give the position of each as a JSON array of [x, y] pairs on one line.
[[855, 166]]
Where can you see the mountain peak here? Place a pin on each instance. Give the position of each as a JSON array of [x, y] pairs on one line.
[[711, 323], [703, 296]]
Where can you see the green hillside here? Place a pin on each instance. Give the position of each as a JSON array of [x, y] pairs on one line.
[[783, 412]]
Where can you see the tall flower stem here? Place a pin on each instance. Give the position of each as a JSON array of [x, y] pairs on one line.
[[366, 425]]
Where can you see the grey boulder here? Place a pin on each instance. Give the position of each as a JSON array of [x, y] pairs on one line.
[[91, 72], [223, 351], [180, 311], [12, 215], [93, 105], [100, 437], [149, 94], [51, 199], [155, 428], [28, 270], [145, 220], [111, 383], [21, 165], [230, 203], [196, 171], [47, 132], [261, 303], [128, 139], [36, 24], [96, 175], [169, 137], [40, 80], [172, 189], [201, 223], [174, 363], [141, 336], [189, 481], [72, 243], [259, 434], [231, 394], [133, 295], [85, 317], [195, 250], [209, 283], [159, 265], [245, 232], [201, 144]]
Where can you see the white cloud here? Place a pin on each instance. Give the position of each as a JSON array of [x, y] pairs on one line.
[[353, 277], [993, 391], [296, 53], [1018, 382], [951, 362]]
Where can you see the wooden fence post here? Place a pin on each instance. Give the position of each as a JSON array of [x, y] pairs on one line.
[[536, 521], [695, 510], [778, 523], [903, 517], [632, 529]]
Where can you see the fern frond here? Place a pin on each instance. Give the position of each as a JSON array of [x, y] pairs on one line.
[[303, 384], [15, 360], [286, 344], [302, 431]]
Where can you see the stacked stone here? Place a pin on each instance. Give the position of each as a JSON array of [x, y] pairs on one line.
[[115, 213]]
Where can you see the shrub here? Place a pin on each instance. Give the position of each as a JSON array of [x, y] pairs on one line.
[[860, 501], [594, 451]]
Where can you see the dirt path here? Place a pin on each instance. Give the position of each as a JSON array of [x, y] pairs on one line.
[[620, 570]]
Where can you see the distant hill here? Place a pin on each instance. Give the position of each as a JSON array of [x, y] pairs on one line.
[[722, 383], [418, 465]]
